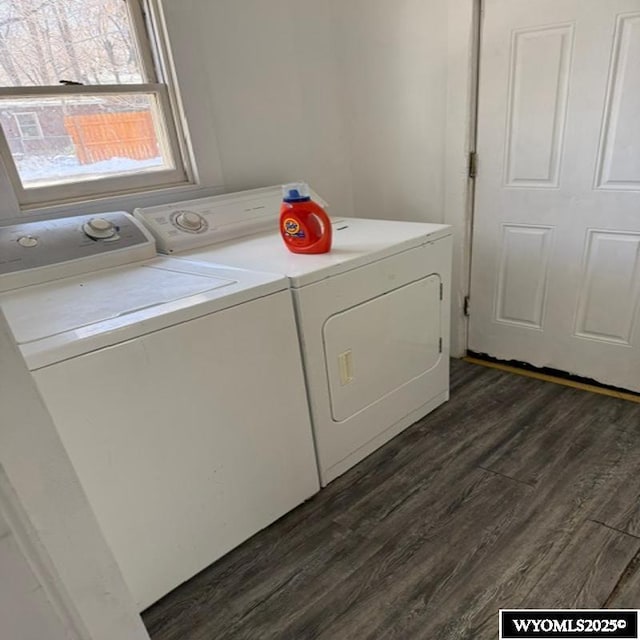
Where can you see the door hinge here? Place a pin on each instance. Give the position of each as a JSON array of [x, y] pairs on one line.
[[465, 307], [473, 164], [441, 291], [440, 345]]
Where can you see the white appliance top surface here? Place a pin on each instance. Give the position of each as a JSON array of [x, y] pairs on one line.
[[356, 241], [45, 310], [70, 316]]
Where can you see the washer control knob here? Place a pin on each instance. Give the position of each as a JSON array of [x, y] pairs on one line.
[[99, 228], [189, 221], [28, 241]]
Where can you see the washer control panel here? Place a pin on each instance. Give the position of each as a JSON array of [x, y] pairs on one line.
[[94, 241]]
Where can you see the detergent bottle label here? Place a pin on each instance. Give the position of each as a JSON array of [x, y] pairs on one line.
[[292, 228]]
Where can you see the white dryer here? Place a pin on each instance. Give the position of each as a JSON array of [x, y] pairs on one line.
[[177, 389], [373, 314]]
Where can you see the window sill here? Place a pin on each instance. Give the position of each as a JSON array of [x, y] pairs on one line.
[[121, 202]]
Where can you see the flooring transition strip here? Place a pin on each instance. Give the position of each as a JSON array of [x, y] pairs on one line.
[[593, 388]]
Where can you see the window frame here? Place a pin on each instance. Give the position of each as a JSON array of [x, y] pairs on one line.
[[36, 123], [152, 51]]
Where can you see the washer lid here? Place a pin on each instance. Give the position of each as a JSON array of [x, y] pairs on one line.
[[46, 310], [356, 242], [68, 317]]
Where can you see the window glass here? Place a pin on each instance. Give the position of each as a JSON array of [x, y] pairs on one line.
[[28, 125], [82, 112], [86, 137], [43, 43]]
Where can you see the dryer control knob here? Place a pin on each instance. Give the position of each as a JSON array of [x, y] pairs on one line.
[[99, 228], [189, 220]]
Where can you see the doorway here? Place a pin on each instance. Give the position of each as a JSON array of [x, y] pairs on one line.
[[555, 270]]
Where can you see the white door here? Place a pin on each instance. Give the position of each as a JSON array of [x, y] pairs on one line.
[[556, 244]]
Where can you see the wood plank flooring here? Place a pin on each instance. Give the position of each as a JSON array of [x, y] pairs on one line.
[[516, 493]]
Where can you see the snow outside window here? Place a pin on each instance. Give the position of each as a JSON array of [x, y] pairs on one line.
[[85, 109]]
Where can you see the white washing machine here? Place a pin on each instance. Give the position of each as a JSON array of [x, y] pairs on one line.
[[177, 389], [373, 314]]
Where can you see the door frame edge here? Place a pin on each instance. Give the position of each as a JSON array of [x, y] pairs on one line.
[[464, 21]]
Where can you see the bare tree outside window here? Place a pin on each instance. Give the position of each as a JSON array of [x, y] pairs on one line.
[[105, 121], [43, 42]]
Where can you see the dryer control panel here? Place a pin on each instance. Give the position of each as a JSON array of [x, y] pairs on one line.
[[35, 252], [207, 221]]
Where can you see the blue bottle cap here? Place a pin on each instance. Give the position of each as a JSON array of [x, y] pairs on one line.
[[296, 192]]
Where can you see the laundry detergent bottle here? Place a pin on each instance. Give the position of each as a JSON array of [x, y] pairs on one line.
[[304, 224]]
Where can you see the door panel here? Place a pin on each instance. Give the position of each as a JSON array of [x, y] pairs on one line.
[[523, 275], [537, 105], [619, 158], [556, 244], [609, 295]]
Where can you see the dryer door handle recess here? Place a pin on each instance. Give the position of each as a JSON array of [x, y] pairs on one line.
[[345, 366]]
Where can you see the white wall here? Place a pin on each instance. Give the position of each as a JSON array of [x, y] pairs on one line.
[[393, 80], [268, 74], [348, 95]]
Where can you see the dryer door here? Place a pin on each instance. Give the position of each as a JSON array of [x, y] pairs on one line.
[[381, 345]]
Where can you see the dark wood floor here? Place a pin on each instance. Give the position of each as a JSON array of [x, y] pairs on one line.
[[516, 493]]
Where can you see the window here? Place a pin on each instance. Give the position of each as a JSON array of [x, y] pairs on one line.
[[29, 125], [85, 110]]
